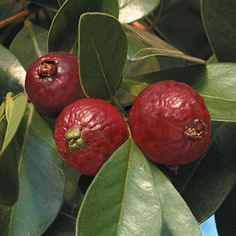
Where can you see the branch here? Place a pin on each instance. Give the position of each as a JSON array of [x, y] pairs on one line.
[[22, 14]]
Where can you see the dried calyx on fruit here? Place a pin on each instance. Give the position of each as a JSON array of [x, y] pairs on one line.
[[52, 82], [170, 123], [87, 132]]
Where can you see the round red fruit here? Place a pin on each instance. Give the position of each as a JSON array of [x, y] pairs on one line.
[[52, 82], [170, 123], [87, 132]]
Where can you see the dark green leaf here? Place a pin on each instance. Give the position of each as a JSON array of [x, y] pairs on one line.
[[226, 215], [63, 33], [206, 183], [135, 68], [225, 141], [14, 110], [6, 8], [124, 97], [60, 2], [64, 225], [131, 196], [72, 196], [34, 46], [51, 5], [219, 19], [180, 24], [143, 44], [41, 179], [215, 82], [209, 184], [136, 9], [9, 182], [12, 74], [102, 57]]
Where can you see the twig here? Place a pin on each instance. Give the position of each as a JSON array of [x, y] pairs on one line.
[[22, 14]]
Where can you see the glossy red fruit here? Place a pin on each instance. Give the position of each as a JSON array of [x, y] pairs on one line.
[[87, 132], [170, 123], [52, 82]]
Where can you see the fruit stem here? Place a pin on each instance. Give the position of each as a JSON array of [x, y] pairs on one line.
[[21, 14], [74, 140]]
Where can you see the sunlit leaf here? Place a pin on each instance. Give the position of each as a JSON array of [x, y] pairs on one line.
[[131, 10], [131, 196], [12, 74]]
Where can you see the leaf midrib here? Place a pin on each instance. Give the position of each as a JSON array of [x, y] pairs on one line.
[[125, 190], [166, 52], [217, 98]]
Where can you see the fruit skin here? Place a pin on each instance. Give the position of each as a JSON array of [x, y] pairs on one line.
[[170, 123], [102, 130], [52, 82]]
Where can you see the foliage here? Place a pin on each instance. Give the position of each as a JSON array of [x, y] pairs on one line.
[[190, 41]]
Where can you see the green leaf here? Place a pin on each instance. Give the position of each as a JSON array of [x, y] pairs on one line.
[[63, 32], [51, 5], [212, 59], [102, 57], [41, 179], [131, 196], [14, 110], [12, 74], [136, 9], [142, 44], [219, 19], [226, 215], [9, 105], [215, 82], [140, 67], [34, 46]]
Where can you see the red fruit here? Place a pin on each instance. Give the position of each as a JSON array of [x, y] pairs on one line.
[[87, 132], [52, 82], [170, 123]]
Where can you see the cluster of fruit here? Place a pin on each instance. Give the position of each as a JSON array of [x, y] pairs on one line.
[[168, 120]]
